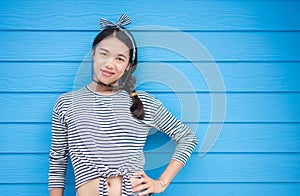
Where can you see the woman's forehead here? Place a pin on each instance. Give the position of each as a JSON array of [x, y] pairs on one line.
[[113, 45]]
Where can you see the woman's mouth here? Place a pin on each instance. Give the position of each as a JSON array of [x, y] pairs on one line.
[[107, 73]]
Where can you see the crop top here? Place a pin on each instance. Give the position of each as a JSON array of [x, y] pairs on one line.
[[103, 139]]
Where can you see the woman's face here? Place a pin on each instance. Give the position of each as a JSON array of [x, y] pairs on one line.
[[111, 59]]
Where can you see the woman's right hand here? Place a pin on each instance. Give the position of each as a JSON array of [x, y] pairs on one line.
[[144, 184]]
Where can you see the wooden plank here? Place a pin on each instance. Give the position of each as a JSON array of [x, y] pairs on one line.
[[250, 77], [243, 189], [235, 167], [156, 46], [180, 14], [196, 189], [33, 107], [26, 138], [37, 76], [35, 189], [210, 168], [189, 107], [62, 76], [237, 137]]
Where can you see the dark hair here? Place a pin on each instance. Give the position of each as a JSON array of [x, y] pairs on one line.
[[137, 108]]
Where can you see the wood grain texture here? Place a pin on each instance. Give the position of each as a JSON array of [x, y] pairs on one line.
[[231, 167], [166, 46], [254, 45], [24, 138], [195, 189], [237, 76], [182, 14], [241, 107]]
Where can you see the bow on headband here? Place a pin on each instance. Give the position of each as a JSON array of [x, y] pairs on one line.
[[123, 21]]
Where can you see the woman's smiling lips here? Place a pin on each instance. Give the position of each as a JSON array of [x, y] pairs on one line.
[[107, 73]]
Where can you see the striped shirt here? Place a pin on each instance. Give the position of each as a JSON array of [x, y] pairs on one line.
[[104, 140]]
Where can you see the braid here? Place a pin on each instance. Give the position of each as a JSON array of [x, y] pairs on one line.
[[137, 107]]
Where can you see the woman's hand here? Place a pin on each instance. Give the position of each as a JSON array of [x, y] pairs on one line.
[[145, 184]]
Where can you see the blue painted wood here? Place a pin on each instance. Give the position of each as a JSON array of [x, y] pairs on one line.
[[235, 167], [181, 14], [228, 167], [244, 189], [241, 107], [255, 44], [60, 76], [235, 137], [34, 189], [195, 189], [222, 46]]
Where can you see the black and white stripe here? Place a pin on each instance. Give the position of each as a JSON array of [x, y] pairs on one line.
[[103, 139]]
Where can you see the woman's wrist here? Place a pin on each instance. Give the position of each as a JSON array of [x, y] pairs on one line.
[[162, 185]]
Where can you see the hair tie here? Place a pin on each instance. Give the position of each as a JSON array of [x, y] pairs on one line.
[[133, 94], [123, 21]]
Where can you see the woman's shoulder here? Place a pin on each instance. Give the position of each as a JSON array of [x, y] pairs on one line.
[[67, 97], [148, 98]]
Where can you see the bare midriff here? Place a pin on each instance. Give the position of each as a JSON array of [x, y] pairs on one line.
[[91, 188], [114, 187]]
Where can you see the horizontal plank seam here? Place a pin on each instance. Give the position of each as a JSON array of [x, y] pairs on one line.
[[165, 92], [202, 122], [176, 61], [72, 183], [194, 153], [159, 30]]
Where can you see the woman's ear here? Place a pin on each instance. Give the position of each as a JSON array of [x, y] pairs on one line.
[[93, 54], [128, 67]]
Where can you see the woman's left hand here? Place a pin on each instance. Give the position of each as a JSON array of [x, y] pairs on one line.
[[145, 184]]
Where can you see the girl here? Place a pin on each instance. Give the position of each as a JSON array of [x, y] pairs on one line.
[[104, 126]]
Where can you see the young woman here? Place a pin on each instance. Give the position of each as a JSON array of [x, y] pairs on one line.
[[103, 126]]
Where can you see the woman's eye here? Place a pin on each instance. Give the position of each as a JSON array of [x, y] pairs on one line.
[[103, 54], [121, 59]]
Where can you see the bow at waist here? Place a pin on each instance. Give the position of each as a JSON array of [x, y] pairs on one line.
[[126, 183]]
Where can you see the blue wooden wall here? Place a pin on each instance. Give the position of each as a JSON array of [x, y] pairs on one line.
[[255, 44]]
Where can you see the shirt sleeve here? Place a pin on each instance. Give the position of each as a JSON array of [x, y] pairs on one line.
[[179, 132], [58, 152]]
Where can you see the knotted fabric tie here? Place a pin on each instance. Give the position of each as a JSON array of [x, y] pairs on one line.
[[123, 21], [126, 184]]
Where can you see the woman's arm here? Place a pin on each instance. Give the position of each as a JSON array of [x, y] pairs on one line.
[[170, 172], [58, 156], [186, 141], [57, 192]]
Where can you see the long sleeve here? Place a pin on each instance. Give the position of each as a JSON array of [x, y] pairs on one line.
[[58, 152], [179, 132]]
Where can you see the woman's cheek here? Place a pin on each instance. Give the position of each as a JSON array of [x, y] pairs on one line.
[[98, 64]]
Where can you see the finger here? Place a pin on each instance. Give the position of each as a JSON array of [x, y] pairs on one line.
[[146, 192], [141, 188], [144, 186], [140, 173], [139, 182]]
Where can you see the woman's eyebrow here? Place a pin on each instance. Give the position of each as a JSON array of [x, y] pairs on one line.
[[109, 52], [104, 50], [122, 55]]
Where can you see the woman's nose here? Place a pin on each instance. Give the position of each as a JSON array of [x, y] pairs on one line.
[[110, 63]]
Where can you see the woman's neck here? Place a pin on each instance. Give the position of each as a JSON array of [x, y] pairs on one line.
[[102, 89]]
